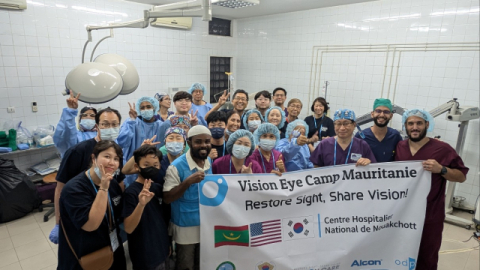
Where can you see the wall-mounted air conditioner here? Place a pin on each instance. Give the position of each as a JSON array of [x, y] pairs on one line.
[[13, 4], [180, 22]]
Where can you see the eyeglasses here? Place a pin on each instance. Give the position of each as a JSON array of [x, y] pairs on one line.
[[296, 106], [109, 125], [345, 124], [240, 99], [384, 111], [87, 115], [279, 95]]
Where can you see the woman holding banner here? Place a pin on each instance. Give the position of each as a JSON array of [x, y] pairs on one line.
[[267, 136], [294, 147], [240, 145]]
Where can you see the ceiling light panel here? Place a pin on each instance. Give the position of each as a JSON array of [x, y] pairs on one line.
[[236, 3]]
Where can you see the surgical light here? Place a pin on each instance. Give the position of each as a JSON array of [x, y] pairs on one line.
[[235, 3]]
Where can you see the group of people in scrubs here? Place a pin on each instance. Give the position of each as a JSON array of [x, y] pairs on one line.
[[138, 180]]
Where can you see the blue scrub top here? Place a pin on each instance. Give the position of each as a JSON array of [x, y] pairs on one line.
[[383, 151]]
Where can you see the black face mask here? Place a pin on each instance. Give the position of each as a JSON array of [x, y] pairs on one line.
[[149, 173]]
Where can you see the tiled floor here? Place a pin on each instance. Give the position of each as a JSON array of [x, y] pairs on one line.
[[24, 245]]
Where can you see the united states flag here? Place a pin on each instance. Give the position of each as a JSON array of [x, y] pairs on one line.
[[265, 233]]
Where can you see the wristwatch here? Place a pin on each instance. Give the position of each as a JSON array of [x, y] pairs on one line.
[[443, 171]]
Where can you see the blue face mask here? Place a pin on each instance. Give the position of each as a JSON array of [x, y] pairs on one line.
[[267, 144], [240, 151], [253, 124], [87, 124], [228, 132], [174, 148], [97, 171], [217, 132], [109, 133], [146, 114]]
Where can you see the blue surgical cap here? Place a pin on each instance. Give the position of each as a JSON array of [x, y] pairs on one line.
[[293, 125], [240, 133], [247, 114], [196, 86], [344, 114], [266, 128], [151, 100], [282, 121], [419, 113]]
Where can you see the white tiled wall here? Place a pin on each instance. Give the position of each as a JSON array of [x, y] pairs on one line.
[[40, 45], [277, 51]]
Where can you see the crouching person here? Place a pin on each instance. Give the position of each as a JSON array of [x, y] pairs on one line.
[[148, 241]]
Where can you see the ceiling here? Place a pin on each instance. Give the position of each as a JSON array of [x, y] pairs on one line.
[[266, 7]]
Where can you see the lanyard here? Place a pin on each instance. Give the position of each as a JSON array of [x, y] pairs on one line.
[[263, 163], [223, 148], [96, 191], [321, 126], [231, 165], [335, 152]]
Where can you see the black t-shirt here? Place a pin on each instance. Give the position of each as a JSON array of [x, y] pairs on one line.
[[77, 159], [76, 201], [148, 244], [166, 208], [325, 123], [220, 149]]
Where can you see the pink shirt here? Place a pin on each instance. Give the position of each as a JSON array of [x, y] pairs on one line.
[[223, 164], [267, 165]]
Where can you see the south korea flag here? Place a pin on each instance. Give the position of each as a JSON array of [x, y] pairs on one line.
[[298, 228]]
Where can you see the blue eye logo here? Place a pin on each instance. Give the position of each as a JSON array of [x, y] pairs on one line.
[[221, 186]]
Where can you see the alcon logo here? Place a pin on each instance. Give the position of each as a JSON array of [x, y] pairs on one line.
[[364, 263]]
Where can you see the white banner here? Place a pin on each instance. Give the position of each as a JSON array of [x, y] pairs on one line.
[[342, 217]]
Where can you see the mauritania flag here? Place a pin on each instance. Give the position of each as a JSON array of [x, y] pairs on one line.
[[231, 236]]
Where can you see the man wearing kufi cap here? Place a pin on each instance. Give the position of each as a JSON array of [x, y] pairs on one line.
[[142, 125], [343, 148], [181, 190], [445, 164], [381, 138]]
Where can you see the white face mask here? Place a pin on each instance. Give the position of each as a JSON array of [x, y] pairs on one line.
[[267, 144], [174, 148], [109, 133], [240, 151]]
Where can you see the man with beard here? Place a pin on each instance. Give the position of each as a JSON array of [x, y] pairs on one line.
[[445, 164], [181, 190], [382, 139]]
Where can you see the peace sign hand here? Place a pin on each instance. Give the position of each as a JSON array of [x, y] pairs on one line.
[[246, 169], [223, 98], [145, 196], [133, 113], [72, 101], [106, 178], [193, 118], [150, 141]]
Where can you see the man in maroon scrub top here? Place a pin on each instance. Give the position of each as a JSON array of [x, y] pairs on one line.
[[445, 164]]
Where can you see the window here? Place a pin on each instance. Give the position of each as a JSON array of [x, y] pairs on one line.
[[219, 27], [218, 78]]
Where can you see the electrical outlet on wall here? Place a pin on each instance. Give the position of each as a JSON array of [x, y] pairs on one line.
[[11, 109], [34, 106]]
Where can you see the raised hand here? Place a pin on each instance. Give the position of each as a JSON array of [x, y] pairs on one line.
[[145, 195], [279, 164], [363, 162], [72, 101], [302, 140], [106, 178], [223, 98], [213, 153], [150, 141], [196, 177], [193, 118], [314, 138], [246, 169], [132, 112]]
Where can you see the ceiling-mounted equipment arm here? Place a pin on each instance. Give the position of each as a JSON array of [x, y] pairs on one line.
[[450, 106], [196, 8], [367, 118]]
